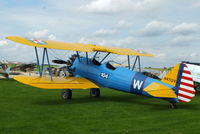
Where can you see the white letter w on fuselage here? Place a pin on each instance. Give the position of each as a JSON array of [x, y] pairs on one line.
[[137, 84]]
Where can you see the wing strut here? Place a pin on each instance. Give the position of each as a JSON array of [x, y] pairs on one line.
[[49, 69], [78, 55], [41, 68], [38, 62], [139, 64], [87, 56], [95, 54], [105, 57], [137, 59], [129, 67]]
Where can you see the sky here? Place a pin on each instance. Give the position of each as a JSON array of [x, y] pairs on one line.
[[169, 29]]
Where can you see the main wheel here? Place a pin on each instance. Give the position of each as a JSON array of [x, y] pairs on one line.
[[95, 92], [66, 94], [62, 73]]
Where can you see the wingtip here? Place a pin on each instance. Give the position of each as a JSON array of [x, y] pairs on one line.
[[9, 37]]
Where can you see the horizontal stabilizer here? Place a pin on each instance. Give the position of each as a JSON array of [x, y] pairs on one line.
[[57, 82], [159, 90]]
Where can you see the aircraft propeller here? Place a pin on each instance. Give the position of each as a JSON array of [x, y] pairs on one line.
[[69, 63]]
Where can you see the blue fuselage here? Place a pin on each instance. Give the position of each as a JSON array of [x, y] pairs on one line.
[[119, 78]]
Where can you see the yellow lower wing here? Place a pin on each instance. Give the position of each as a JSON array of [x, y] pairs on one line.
[[57, 82]]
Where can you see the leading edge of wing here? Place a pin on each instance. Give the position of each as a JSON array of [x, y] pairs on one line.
[[77, 46], [119, 51], [45, 82], [50, 44]]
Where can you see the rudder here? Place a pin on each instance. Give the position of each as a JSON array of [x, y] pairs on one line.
[[180, 77]]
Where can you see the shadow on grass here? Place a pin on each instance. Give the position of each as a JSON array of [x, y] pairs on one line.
[[117, 98], [6, 79], [152, 103], [189, 106]]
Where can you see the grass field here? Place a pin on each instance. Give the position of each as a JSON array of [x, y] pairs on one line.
[[28, 110]]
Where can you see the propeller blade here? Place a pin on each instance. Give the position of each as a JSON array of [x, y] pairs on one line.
[[59, 62]]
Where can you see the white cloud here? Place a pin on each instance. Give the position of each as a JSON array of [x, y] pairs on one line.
[[93, 40], [105, 32], [155, 28], [43, 34], [121, 42], [101, 6], [161, 56], [196, 4], [65, 20], [185, 39], [193, 55], [13, 51], [110, 6], [123, 24], [3, 42], [186, 28], [51, 37]]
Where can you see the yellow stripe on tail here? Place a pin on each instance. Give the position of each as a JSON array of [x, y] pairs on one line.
[[172, 75]]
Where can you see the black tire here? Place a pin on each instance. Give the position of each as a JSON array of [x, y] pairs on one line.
[[66, 94], [94, 92]]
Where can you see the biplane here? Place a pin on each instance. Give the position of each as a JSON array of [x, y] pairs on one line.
[[15, 68], [4, 70], [89, 73], [24, 67]]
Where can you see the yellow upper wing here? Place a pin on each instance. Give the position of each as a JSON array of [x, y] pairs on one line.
[[77, 46], [51, 44], [57, 82], [120, 51]]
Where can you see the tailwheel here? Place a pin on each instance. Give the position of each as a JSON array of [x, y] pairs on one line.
[[95, 92], [66, 94], [173, 105]]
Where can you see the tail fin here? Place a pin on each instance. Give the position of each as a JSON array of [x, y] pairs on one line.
[[180, 77]]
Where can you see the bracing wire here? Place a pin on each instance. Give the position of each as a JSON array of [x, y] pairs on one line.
[[54, 54]]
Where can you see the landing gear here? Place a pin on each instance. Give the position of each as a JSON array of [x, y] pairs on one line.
[[197, 87], [66, 94], [62, 73], [94, 92], [173, 105]]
